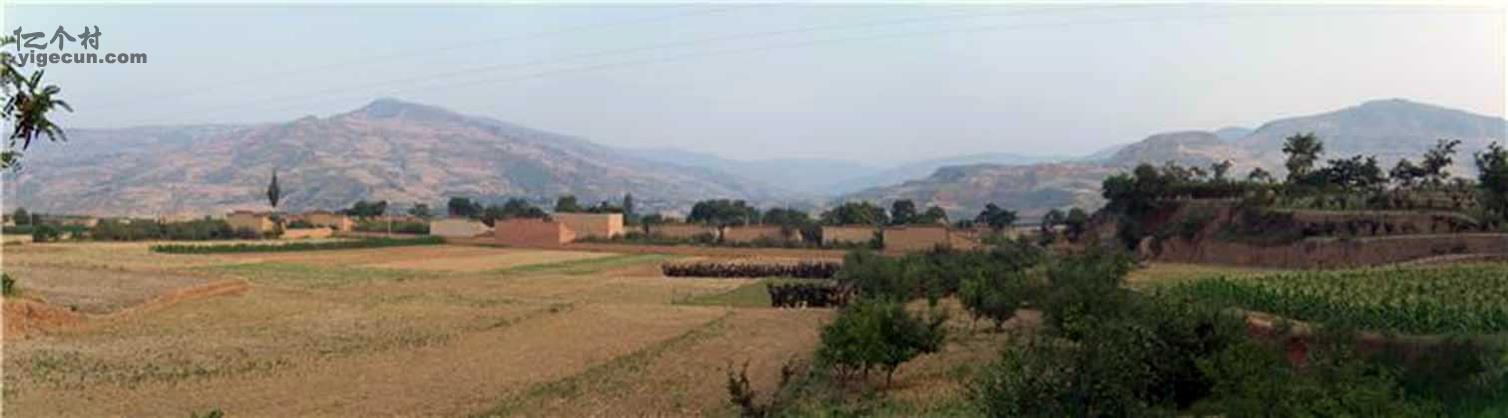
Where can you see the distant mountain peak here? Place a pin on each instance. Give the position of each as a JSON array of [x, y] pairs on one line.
[[389, 107]]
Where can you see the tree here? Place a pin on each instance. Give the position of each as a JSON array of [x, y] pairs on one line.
[[723, 212], [1492, 178], [566, 204], [274, 194], [1259, 175], [28, 104], [512, 208], [856, 213], [21, 217], [994, 297], [997, 218], [365, 209], [933, 215], [628, 209], [1303, 151], [1405, 173], [902, 212], [1220, 169], [420, 211], [1436, 160], [1052, 218], [1075, 223], [463, 208], [877, 333], [1355, 173]]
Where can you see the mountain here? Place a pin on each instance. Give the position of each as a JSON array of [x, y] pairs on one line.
[[1389, 129], [1030, 190], [812, 176], [1232, 133], [926, 167], [390, 150]]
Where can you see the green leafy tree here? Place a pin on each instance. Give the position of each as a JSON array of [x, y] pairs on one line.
[[462, 207], [723, 212], [993, 297], [1220, 170], [996, 217], [903, 212], [1052, 219], [28, 105], [365, 209], [871, 334], [1436, 160], [856, 213], [1303, 150], [567, 204], [21, 217], [1492, 178], [1075, 223], [933, 215], [1259, 175], [1406, 174], [420, 211]]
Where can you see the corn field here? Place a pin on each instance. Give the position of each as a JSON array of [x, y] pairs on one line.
[[1420, 300]]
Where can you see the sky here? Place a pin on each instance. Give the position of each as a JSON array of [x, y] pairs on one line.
[[882, 84]]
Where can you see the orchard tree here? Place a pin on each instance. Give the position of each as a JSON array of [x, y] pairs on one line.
[[21, 217], [1220, 170], [365, 209], [1259, 175], [1052, 218], [1075, 223], [723, 212], [28, 104], [1303, 151], [1406, 174]]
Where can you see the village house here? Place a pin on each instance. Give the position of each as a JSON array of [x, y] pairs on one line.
[[847, 234], [596, 225], [532, 232], [752, 233], [336, 221], [457, 228], [261, 222]]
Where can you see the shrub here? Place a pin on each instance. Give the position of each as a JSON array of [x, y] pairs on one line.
[[18, 229], [877, 334], [301, 224], [8, 285], [800, 270], [44, 233], [1084, 289], [813, 295]]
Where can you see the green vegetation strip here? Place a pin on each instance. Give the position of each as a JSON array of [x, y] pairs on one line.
[[609, 377], [586, 266], [311, 276], [1422, 300], [296, 246]]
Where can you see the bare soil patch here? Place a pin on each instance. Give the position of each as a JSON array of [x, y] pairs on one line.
[[99, 291]]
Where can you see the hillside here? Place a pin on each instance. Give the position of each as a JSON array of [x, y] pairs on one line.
[[391, 150], [1389, 129]]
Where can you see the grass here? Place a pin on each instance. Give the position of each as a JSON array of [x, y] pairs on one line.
[[752, 295], [1161, 274], [296, 246], [585, 266], [604, 377]]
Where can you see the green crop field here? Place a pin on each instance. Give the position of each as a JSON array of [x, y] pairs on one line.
[[1424, 300]]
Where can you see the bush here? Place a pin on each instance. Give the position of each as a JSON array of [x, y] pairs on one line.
[[877, 334], [18, 230], [44, 233], [810, 295], [800, 270], [297, 246], [398, 227], [8, 285], [301, 224]]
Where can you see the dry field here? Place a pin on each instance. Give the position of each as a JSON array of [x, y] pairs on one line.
[[405, 331]]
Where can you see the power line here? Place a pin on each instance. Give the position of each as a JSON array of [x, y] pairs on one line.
[[819, 42]]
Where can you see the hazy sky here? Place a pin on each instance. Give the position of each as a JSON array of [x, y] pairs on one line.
[[882, 83]]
